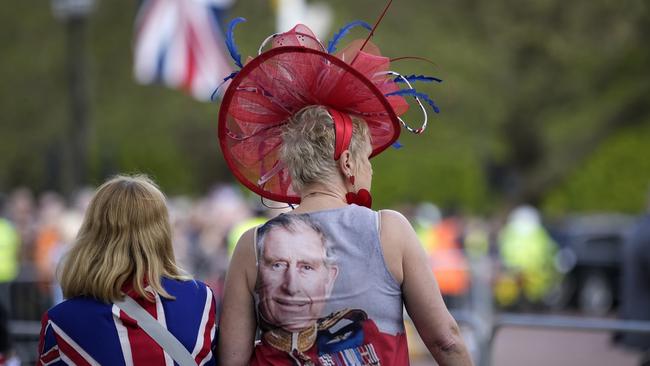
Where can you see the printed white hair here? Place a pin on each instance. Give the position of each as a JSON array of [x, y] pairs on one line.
[[294, 223]]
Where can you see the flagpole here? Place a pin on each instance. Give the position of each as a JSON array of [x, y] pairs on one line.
[[74, 15]]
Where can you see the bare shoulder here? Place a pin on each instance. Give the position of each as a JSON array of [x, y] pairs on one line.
[[237, 322], [394, 222], [395, 228], [243, 261], [396, 235]]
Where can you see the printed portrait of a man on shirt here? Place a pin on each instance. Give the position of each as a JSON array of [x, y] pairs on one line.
[[298, 269]]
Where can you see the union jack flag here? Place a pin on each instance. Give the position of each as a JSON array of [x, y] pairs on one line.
[[180, 43], [84, 331]]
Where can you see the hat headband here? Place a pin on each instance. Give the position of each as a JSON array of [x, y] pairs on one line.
[[342, 131]]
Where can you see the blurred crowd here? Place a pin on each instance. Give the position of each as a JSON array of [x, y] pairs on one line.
[[36, 231], [532, 265], [519, 250]]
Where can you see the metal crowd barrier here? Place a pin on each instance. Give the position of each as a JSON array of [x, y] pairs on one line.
[[486, 322], [24, 338], [29, 301], [26, 299], [486, 332]]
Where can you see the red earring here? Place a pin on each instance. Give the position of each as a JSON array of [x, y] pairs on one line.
[[360, 198]]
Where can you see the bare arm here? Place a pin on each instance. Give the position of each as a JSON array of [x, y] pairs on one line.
[[422, 298], [237, 322]]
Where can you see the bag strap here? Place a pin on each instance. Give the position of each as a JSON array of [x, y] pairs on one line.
[[155, 330]]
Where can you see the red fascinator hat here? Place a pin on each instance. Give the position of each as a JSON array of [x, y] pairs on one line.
[[298, 71]]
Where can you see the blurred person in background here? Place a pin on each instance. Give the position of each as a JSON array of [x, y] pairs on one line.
[[9, 259], [179, 214], [449, 261], [9, 267], [441, 239], [55, 231], [635, 284], [240, 228], [124, 249], [476, 239], [261, 212], [48, 237], [212, 218], [68, 225], [527, 255], [426, 217]]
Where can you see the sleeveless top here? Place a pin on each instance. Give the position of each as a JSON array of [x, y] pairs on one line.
[[324, 295]]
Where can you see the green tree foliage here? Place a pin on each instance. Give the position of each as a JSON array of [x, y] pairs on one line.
[[543, 101], [573, 77]]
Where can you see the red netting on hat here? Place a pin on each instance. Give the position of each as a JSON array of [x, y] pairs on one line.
[[293, 74]]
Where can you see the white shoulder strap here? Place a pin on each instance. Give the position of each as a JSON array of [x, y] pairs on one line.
[[378, 217], [257, 260], [155, 330]]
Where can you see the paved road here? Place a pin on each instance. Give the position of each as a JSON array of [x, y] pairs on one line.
[[542, 347]]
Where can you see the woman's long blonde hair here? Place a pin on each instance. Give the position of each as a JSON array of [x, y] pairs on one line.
[[125, 235]]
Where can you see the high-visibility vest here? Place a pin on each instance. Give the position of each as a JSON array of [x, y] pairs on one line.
[[9, 261], [446, 257], [238, 230]]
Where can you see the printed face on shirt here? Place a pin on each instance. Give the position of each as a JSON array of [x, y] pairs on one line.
[[295, 278]]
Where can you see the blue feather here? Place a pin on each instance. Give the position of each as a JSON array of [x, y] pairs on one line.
[[230, 41], [416, 94], [410, 78], [331, 46], [397, 145], [214, 93]]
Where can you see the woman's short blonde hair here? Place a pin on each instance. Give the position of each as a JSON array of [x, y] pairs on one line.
[[308, 148], [125, 236]]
